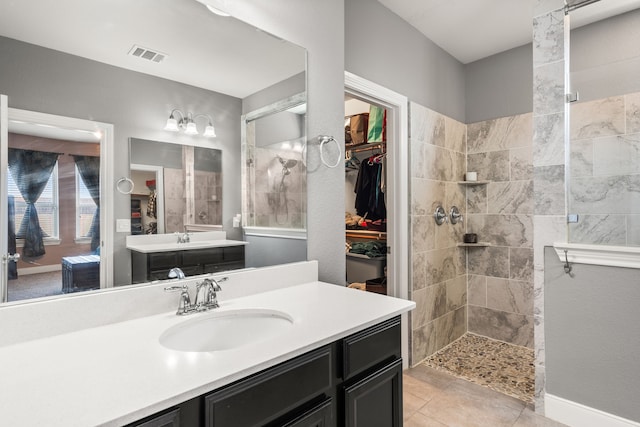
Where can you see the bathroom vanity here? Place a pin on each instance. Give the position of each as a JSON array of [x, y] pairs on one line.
[[207, 252], [337, 363]]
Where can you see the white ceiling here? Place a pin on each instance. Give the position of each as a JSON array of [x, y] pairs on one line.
[[204, 50], [474, 29]]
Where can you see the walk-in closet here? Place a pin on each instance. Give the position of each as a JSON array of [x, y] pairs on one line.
[[366, 195]]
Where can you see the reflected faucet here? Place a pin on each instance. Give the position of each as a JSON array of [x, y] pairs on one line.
[[176, 273]]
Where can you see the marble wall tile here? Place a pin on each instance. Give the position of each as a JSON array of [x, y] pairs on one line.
[[489, 261], [549, 190], [548, 38], [512, 296], [427, 126], [602, 195], [548, 89], [509, 327], [492, 166], [435, 301], [500, 134], [440, 163], [602, 117], [632, 109], [548, 229], [521, 163], [477, 199], [510, 197], [423, 343], [502, 230], [444, 264], [521, 264], [450, 327], [418, 159], [456, 293], [581, 160], [418, 270], [599, 230], [633, 230], [426, 195], [618, 155], [477, 293], [548, 136], [421, 233], [448, 235], [454, 196], [456, 135]]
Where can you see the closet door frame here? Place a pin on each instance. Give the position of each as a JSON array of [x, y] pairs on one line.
[[397, 106]]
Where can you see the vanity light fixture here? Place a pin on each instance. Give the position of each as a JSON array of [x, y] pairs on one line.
[[188, 125]]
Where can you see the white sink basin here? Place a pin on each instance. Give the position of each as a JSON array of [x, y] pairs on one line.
[[225, 330]]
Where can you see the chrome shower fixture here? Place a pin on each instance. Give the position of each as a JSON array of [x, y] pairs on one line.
[[571, 5]]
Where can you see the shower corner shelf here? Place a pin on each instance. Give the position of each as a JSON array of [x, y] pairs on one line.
[[474, 245], [473, 182]]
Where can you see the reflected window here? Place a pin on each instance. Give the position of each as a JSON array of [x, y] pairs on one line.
[[47, 206], [85, 208]]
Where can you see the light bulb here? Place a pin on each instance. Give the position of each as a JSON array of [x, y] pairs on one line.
[[191, 129], [172, 125], [210, 131]]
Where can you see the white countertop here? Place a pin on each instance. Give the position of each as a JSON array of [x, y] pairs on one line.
[[115, 374], [174, 246]]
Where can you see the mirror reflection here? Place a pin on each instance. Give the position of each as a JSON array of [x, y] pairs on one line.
[[105, 82], [165, 199]]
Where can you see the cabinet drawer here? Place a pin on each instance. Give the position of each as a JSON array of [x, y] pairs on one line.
[[170, 419], [371, 347], [234, 253], [318, 416], [202, 256], [163, 260], [271, 394]]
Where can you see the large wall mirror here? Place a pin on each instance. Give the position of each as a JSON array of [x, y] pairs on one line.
[[129, 65]]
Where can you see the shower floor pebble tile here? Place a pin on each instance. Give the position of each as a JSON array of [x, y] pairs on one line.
[[502, 367], [433, 398]]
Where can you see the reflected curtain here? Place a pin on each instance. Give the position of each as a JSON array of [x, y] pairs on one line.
[[89, 168], [12, 267], [31, 171]]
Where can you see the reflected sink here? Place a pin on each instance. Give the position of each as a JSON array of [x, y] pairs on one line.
[[225, 330]]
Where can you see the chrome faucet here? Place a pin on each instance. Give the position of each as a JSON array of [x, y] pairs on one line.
[[208, 288], [184, 237], [176, 273]]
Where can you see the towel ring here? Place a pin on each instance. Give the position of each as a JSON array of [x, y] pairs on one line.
[[323, 140], [130, 185]]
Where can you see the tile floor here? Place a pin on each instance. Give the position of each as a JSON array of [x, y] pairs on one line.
[[436, 399]]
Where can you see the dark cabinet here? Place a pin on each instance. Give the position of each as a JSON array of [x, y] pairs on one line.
[[146, 267], [353, 382], [169, 419], [375, 400]]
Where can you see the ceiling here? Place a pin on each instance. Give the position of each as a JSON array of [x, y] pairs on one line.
[[203, 49], [474, 29]]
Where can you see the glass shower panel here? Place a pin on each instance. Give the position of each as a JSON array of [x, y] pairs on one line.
[[604, 148]]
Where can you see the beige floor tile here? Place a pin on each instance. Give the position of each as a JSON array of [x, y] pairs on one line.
[[528, 418], [411, 404], [420, 420]]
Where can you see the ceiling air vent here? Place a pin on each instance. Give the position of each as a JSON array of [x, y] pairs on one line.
[[148, 54]]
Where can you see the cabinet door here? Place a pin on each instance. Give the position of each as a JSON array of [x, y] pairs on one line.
[[375, 400], [170, 419], [319, 416]]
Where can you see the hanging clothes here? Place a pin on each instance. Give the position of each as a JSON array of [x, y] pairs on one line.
[[152, 204], [369, 196]]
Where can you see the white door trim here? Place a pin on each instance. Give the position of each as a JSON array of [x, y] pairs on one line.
[[107, 185], [4, 209], [398, 184]]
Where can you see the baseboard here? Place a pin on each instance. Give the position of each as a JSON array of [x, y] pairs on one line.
[[577, 415], [39, 269]]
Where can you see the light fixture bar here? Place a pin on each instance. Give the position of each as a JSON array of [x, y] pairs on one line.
[[188, 125]]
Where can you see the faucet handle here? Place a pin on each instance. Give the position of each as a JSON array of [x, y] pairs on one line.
[[184, 306]]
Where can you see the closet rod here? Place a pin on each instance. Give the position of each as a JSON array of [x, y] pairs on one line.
[[373, 147]]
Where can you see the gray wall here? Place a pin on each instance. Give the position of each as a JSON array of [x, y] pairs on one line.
[[317, 26], [592, 339], [385, 49], [499, 85], [138, 105], [605, 61]]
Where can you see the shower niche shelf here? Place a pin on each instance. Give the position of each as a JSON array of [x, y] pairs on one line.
[[474, 245]]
